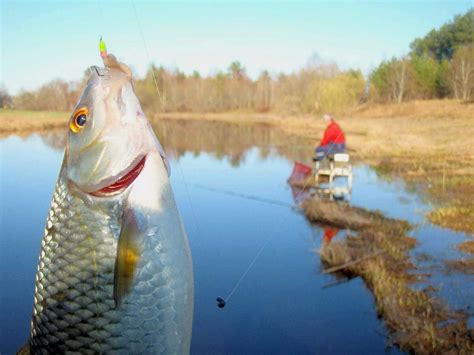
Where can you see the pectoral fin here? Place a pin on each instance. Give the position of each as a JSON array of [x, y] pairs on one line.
[[128, 256]]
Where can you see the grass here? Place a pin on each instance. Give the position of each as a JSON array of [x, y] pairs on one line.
[[21, 122], [379, 254], [427, 143], [467, 247], [458, 216]]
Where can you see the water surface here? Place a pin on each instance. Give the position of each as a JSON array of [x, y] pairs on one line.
[[284, 304]]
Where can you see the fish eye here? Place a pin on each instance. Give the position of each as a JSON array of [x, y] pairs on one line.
[[79, 119]]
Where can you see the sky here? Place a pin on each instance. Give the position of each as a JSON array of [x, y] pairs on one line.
[[44, 40]]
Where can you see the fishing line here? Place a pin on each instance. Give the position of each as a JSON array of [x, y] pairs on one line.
[[99, 5], [221, 302], [147, 53], [246, 197], [193, 213]]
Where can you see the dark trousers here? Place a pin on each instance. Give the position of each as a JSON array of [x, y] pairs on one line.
[[331, 148]]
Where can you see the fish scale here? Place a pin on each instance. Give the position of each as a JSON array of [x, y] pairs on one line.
[[115, 270], [74, 308]]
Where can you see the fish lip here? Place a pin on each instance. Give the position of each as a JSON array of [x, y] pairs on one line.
[[124, 180]]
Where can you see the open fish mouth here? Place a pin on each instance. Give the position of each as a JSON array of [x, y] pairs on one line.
[[123, 182]]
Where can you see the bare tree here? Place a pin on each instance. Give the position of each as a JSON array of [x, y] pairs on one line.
[[398, 78], [461, 74], [5, 98]]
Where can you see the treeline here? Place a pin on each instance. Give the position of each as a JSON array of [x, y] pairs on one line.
[[439, 65], [56, 95], [311, 89], [315, 88]]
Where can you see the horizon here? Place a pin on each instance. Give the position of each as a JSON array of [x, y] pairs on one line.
[[207, 37]]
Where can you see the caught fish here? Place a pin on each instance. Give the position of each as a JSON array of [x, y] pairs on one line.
[[115, 271]]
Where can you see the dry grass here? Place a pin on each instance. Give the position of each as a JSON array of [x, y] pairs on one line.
[[13, 121], [427, 142], [379, 254], [435, 127], [443, 109], [464, 265], [467, 247], [343, 215], [457, 216], [423, 142]]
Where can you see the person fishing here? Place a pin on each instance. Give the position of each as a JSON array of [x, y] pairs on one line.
[[333, 140]]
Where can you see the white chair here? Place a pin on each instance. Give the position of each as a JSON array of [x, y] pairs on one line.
[[333, 166]]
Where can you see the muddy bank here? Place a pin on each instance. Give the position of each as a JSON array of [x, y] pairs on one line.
[[378, 251]]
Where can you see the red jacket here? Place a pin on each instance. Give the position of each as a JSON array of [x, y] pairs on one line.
[[333, 134]]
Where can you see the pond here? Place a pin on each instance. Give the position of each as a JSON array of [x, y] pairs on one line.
[[230, 184]]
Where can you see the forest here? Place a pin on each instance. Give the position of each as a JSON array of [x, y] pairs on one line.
[[438, 65]]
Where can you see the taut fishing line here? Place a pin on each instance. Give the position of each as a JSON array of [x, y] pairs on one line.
[[245, 196], [221, 302], [147, 54], [196, 224]]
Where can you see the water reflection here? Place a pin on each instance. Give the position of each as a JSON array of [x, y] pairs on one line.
[[55, 139], [282, 306], [329, 234], [220, 140], [231, 140]]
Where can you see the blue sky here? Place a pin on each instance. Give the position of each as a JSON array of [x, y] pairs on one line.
[[43, 40]]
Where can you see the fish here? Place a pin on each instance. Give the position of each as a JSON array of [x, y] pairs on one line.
[[115, 269]]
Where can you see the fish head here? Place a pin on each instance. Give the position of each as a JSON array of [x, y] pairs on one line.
[[109, 135]]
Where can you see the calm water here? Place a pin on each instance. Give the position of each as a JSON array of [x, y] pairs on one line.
[[283, 305]]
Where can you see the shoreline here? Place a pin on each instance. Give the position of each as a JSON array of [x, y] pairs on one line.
[[422, 150]]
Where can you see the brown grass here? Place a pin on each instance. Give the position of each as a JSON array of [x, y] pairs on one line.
[[427, 142], [343, 215], [458, 216], [379, 254], [443, 109], [13, 121], [437, 129], [423, 142], [467, 247], [464, 265]]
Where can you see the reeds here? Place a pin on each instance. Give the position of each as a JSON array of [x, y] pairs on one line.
[[378, 252]]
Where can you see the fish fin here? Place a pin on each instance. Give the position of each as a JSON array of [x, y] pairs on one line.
[[128, 256], [24, 350]]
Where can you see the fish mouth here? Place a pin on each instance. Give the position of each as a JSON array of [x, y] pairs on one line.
[[123, 182]]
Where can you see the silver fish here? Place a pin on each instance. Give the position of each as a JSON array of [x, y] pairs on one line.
[[115, 271]]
